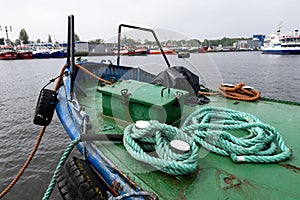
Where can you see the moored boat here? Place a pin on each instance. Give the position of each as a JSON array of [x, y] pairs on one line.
[[55, 50], [155, 136], [7, 52], [203, 49], [141, 51], [183, 54], [23, 52], [165, 49], [282, 44], [132, 51], [56, 53], [40, 51]]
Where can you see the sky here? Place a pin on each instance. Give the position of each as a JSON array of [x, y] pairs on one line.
[[195, 19]]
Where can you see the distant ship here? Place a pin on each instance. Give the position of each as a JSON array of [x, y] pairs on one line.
[[23, 52], [203, 49], [133, 51], [282, 44], [7, 52], [165, 49]]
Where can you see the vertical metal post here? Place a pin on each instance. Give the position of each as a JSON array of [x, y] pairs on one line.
[[119, 45], [72, 46], [71, 51], [68, 42], [138, 73]]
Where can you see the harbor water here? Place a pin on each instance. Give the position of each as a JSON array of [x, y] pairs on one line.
[[275, 76]]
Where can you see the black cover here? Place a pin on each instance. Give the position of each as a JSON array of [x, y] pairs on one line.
[[180, 78]]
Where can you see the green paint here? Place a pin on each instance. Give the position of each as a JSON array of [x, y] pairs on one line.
[[141, 101], [217, 177]]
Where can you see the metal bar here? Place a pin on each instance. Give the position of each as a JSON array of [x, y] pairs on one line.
[[142, 29], [139, 74], [102, 137], [69, 38], [71, 43], [119, 45]]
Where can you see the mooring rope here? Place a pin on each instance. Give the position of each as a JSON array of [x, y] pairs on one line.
[[60, 164], [24, 167], [209, 127], [237, 92], [92, 74]]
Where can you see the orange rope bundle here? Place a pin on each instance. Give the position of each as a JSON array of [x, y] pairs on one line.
[[237, 92]]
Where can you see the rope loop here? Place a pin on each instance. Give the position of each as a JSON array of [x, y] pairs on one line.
[[237, 92]]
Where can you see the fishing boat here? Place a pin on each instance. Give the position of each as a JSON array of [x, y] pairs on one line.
[[282, 44], [40, 51], [165, 50], [7, 52], [55, 50], [23, 52], [56, 53], [203, 49], [141, 51], [133, 51], [159, 136]]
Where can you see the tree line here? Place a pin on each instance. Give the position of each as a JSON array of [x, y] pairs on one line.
[[225, 41], [24, 39]]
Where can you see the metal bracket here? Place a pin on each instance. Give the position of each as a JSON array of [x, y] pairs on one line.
[[124, 93], [162, 91]]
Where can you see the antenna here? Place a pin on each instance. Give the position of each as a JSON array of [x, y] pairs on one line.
[[6, 30]]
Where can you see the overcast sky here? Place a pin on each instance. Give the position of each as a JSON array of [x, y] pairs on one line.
[[198, 19]]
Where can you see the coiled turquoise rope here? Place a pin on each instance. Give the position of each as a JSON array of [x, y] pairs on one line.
[[210, 127]]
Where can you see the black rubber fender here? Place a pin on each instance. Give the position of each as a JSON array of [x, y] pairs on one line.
[[77, 180], [45, 107]]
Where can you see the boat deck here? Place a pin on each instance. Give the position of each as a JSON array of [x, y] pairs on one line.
[[217, 177]]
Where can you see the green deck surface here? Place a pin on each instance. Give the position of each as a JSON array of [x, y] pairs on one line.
[[217, 177]]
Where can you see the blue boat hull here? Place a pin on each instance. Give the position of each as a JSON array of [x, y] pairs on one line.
[[41, 55], [57, 54], [72, 123], [282, 52]]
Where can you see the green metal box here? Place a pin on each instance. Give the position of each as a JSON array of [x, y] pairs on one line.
[[132, 100]]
